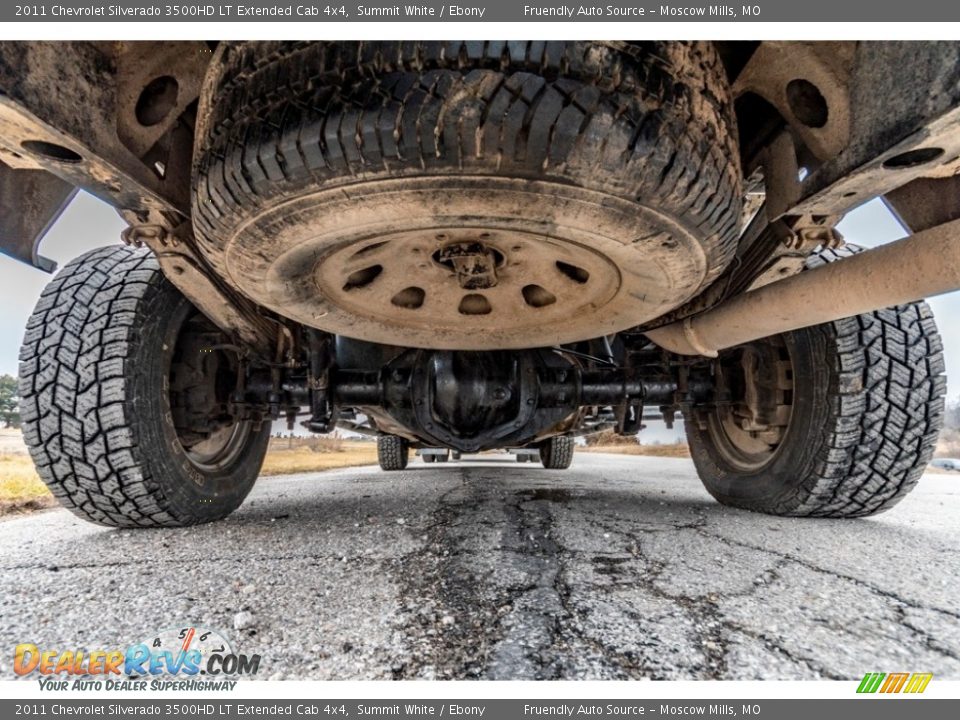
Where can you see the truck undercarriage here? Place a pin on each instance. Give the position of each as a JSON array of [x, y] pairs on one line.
[[485, 245]]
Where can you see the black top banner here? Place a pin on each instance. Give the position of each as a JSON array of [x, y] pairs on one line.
[[483, 11]]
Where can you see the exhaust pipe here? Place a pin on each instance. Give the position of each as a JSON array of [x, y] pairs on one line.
[[919, 266]]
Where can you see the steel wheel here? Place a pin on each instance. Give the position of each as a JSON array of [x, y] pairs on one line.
[[748, 432]]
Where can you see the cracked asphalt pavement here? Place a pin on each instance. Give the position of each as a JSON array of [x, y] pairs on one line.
[[621, 567]]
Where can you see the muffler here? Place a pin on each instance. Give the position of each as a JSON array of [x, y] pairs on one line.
[[919, 266]]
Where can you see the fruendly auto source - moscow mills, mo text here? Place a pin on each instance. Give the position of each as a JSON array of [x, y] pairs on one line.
[[577, 11]]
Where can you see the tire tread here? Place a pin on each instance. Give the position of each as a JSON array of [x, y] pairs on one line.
[[82, 419], [652, 122], [886, 390], [392, 452], [557, 452]]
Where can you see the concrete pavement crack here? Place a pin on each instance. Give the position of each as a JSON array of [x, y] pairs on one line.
[[833, 573], [774, 646], [470, 619], [447, 618]]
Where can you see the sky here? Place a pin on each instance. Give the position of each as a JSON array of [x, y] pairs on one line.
[[89, 223]]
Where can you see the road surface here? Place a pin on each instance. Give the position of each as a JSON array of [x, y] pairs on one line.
[[622, 567]]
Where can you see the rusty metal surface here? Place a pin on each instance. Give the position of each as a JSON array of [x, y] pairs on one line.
[[206, 291], [65, 105], [884, 101], [140, 63], [82, 167], [926, 202], [904, 96], [768, 252], [826, 66], [911, 269], [883, 172], [65, 94], [35, 198], [70, 112], [140, 207]]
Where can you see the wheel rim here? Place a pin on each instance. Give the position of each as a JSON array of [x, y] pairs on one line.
[[557, 263], [475, 276], [749, 431], [203, 374], [220, 450]]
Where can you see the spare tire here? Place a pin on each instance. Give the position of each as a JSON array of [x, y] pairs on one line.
[[468, 195]]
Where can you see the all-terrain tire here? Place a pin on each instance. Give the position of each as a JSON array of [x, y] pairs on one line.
[[557, 452], [868, 407], [393, 452], [649, 124], [94, 385]]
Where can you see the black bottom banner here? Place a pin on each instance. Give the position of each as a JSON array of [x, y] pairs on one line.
[[875, 708]]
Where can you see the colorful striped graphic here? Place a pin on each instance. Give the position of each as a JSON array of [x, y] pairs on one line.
[[918, 682], [894, 682]]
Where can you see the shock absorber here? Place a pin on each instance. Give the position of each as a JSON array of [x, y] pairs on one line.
[[322, 409]]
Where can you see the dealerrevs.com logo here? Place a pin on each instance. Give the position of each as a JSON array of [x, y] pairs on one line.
[[184, 658]]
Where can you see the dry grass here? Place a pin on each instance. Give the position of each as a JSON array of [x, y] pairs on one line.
[[610, 437], [316, 443], [18, 479], [674, 450], [21, 489], [283, 461]]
